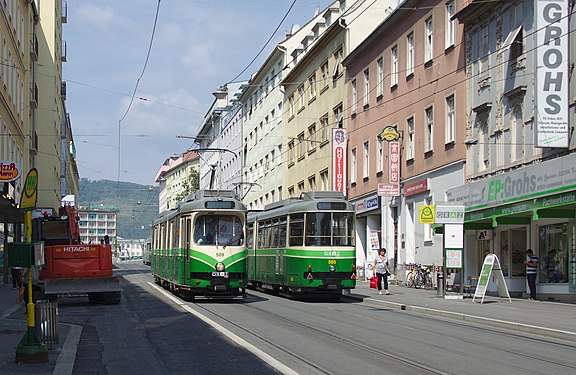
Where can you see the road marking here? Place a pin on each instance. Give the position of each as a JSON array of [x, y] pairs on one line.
[[238, 340]]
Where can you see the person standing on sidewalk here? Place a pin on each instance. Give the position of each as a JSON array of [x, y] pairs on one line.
[[16, 277], [382, 270], [531, 272]]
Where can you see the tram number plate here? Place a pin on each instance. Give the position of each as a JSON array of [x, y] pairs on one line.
[[220, 274]]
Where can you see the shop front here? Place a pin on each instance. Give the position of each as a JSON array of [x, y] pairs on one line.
[[367, 233], [528, 208]]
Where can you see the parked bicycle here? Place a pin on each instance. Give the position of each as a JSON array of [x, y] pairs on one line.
[[419, 277]]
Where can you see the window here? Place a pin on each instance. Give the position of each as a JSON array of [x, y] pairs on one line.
[[324, 125], [337, 61], [366, 87], [450, 128], [428, 39], [312, 84], [291, 191], [380, 71], [312, 138], [338, 116], [366, 158], [483, 50], [517, 136], [291, 152], [354, 96], [379, 156], [300, 187], [291, 106], [325, 185], [554, 244], [450, 26], [393, 66], [325, 72], [410, 139], [301, 146], [517, 47], [279, 154], [410, 54], [353, 166], [301, 97], [429, 137], [312, 183]]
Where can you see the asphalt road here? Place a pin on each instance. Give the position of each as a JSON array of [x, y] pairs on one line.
[[153, 332]]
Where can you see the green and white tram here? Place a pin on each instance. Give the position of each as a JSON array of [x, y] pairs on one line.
[[198, 249], [303, 246]]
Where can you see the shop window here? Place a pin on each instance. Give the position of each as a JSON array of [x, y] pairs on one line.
[[513, 252], [553, 253]]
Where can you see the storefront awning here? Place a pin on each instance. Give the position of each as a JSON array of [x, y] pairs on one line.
[[10, 213]]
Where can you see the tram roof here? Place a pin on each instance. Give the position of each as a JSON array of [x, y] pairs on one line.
[[308, 201]]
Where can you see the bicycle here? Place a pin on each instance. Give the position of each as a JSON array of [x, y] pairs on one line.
[[419, 276]]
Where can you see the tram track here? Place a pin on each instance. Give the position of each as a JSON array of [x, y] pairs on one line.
[[413, 365]]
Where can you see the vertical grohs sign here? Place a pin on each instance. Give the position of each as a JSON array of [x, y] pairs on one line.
[[552, 73]]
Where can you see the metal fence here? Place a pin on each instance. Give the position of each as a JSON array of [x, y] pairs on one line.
[[46, 321]]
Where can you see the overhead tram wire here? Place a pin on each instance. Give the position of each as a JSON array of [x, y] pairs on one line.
[[267, 42], [138, 82]]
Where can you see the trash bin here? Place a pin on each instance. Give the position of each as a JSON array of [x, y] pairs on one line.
[[440, 283]]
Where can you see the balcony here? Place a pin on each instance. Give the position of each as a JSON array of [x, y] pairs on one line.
[[34, 96]]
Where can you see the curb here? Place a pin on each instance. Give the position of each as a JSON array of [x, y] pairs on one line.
[[520, 327], [67, 356]]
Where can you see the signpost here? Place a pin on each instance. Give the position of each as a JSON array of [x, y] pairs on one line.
[[491, 264]]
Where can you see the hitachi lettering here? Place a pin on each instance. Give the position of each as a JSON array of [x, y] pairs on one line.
[[509, 187], [75, 249]]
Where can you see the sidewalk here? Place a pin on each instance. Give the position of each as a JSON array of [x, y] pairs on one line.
[[552, 319], [13, 326]]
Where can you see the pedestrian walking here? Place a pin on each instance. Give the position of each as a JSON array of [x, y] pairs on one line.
[[16, 276], [382, 270], [531, 272]]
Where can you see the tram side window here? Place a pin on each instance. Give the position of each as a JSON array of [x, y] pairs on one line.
[[250, 235], [274, 236], [318, 228], [343, 229], [296, 229], [175, 238], [260, 236], [282, 228]]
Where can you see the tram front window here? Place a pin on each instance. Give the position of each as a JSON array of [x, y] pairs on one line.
[[218, 230], [318, 229]]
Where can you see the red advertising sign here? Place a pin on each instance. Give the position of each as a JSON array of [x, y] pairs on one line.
[[394, 162], [417, 187], [9, 171], [339, 160]]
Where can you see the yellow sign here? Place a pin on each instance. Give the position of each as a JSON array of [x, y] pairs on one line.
[[426, 214], [30, 194], [389, 133]]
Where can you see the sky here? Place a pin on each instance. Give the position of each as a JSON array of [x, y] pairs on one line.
[[198, 45]]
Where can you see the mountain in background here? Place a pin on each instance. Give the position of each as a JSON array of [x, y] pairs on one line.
[[136, 205]]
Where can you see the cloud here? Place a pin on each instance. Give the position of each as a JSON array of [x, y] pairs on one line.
[[102, 17]]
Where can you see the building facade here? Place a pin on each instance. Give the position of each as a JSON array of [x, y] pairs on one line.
[[178, 177], [406, 96], [95, 223], [520, 173]]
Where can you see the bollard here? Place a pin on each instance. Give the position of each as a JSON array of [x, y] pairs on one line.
[[439, 284]]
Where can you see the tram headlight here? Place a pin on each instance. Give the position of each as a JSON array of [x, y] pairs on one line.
[[220, 267], [332, 268]]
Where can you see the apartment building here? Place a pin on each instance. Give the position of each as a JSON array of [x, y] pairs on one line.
[[179, 177], [265, 131], [315, 98], [406, 95], [220, 141], [520, 175], [96, 222]]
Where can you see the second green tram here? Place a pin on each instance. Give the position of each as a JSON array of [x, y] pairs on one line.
[[198, 249], [303, 246]]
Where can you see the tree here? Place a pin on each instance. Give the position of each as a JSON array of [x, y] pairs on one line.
[[189, 185]]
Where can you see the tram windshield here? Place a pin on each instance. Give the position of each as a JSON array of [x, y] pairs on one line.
[[223, 230], [329, 229]]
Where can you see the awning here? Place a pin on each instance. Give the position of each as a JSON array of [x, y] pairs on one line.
[[9, 213]]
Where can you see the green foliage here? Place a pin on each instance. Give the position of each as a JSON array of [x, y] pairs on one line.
[[189, 185], [137, 205]]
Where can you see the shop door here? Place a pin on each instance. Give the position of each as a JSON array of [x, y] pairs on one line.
[[513, 252]]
